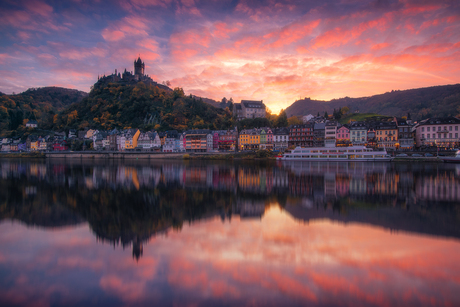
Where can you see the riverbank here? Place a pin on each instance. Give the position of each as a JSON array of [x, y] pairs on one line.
[[25, 155], [260, 155]]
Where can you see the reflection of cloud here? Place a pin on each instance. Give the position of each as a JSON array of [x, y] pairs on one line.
[[272, 260]]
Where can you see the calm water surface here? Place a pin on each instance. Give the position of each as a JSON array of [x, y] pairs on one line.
[[111, 233]]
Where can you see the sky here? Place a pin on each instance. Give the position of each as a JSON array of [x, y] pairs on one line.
[[275, 51]]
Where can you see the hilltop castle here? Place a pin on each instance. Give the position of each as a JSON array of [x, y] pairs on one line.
[[128, 77]]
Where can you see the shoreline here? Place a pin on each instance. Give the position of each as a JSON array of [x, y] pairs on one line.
[[137, 155], [170, 156]]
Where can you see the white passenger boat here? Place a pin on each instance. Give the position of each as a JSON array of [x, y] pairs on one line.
[[353, 153], [455, 159]]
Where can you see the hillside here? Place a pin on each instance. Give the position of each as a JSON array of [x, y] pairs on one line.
[[39, 104], [144, 106], [437, 101]]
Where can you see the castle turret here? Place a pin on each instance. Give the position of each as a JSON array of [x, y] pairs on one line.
[[139, 67]]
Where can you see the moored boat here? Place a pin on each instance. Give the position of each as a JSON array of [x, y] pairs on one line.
[[455, 159], [352, 153]]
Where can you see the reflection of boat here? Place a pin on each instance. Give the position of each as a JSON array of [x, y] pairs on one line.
[[455, 159], [353, 153]]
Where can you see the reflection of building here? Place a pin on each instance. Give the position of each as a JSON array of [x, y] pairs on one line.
[[250, 208], [442, 188]]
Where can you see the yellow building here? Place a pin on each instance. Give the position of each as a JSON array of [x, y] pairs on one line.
[[131, 142], [386, 134], [249, 139], [34, 145]]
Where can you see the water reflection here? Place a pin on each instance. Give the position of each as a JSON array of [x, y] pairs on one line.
[[207, 233]]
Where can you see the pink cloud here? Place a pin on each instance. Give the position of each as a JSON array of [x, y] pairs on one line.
[[222, 30], [380, 46], [128, 291], [126, 28], [294, 33], [191, 37], [112, 35], [38, 7]]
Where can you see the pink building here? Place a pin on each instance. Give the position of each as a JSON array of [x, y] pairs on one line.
[[343, 134]]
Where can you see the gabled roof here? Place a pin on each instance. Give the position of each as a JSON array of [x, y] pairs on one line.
[[254, 104]]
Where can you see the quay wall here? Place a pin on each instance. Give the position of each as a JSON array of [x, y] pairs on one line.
[[113, 155]]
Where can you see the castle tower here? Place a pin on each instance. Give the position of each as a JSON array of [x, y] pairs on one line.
[[139, 67]]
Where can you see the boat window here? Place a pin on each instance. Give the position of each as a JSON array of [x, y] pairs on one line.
[[351, 150], [323, 151], [342, 156], [358, 150], [314, 151], [314, 156]]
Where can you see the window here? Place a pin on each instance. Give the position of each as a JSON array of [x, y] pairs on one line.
[[423, 129], [423, 136], [456, 135], [450, 128], [450, 135], [428, 129], [428, 136], [439, 128], [456, 128]]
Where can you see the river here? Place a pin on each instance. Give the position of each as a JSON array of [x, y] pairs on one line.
[[202, 233]]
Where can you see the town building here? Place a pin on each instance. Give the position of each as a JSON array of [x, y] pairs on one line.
[[301, 135], [387, 135], [280, 139], [249, 139], [196, 140], [249, 109], [343, 136], [440, 132], [358, 133], [405, 134], [318, 134], [32, 124], [330, 133]]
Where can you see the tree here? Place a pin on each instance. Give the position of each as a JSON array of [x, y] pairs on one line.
[[282, 120], [326, 115], [294, 120]]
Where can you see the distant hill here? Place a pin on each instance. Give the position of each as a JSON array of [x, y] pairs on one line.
[[144, 106], [39, 104], [436, 101]]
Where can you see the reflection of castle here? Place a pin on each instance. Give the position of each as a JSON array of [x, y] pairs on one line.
[[129, 78]]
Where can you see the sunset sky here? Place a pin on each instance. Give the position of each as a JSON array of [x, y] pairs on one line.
[[275, 51]]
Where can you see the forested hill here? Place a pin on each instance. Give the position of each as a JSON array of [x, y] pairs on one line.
[[141, 106], [437, 101], [40, 104]]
